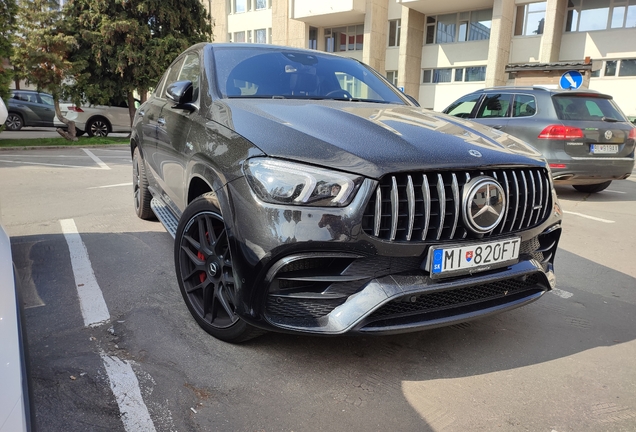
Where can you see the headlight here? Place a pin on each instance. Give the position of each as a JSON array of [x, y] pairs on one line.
[[281, 182]]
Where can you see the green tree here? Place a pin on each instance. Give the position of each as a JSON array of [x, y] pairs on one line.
[[125, 45], [41, 51], [8, 9]]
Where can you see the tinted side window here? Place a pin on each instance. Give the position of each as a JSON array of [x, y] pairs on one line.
[[585, 108], [494, 105], [172, 75], [524, 106], [190, 72], [463, 106]]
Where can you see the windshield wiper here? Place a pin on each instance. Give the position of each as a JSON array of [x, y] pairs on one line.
[[610, 119]]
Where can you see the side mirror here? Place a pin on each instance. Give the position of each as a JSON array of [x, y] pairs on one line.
[[180, 92]]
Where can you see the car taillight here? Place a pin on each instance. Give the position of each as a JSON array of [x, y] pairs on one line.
[[558, 166], [632, 134], [560, 132], [76, 109]]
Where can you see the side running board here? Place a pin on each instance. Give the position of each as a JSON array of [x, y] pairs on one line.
[[165, 216]]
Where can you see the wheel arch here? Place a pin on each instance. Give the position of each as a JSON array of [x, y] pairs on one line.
[[99, 117]]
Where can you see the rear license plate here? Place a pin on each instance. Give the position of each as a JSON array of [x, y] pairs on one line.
[[471, 258], [604, 148]]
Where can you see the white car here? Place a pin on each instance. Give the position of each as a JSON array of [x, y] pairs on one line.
[[98, 120], [3, 112], [15, 403]]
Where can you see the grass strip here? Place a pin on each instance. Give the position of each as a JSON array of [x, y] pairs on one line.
[[44, 142]]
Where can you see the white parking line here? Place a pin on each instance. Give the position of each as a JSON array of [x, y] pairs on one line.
[[613, 191], [125, 387], [92, 304], [110, 186], [47, 164], [589, 217], [97, 160], [561, 293], [122, 378]]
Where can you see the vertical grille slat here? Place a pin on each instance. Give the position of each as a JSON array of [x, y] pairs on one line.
[[377, 217], [441, 194], [395, 202], [410, 197], [401, 206], [426, 192]]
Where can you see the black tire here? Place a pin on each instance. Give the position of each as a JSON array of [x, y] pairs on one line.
[[141, 194], [205, 273], [14, 122], [592, 188], [98, 126]]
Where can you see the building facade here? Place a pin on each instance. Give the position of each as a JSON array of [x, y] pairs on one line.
[[438, 51]]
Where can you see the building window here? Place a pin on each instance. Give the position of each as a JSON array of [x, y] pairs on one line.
[[260, 36], [530, 19], [590, 15], [394, 32], [445, 75], [627, 68], [261, 4], [341, 39], [240, 6], [249, 36], [458, 27], [477, 73], [392, 76], [610, 68], [239, 37], [313, 38], [269, 35]]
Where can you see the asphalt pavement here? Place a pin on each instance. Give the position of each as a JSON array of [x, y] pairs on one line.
[[562, 364]]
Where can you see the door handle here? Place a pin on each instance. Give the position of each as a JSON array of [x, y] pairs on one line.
[[498, 127], [141, 113], [161, 121]]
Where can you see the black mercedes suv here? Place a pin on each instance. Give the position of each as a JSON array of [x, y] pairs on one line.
[[307, 194]]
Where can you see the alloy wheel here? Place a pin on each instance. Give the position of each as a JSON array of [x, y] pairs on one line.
[[14, 122], [206, 271], [99, 128], [136, 184]]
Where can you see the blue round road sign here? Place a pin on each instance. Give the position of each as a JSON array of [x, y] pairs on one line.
[[571, 80]]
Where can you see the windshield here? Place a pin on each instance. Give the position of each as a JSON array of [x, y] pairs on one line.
[[266, 73], [586, 108]]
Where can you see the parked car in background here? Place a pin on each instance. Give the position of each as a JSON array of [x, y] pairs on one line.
[[3, 111], [15, 400], [99, 120], [30, 108], [307, 194], [583, 134]]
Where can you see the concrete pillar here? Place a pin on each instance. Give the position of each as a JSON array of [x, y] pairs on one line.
[[552, 31], [286, 30], [376, 23], [500, 40], [219, 11], [410, 59]]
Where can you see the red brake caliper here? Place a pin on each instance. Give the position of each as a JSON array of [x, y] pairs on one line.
[[200, 255]]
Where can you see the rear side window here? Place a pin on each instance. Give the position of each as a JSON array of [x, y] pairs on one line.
[[524, 106], [494, 105], [463, 107], [585, 108]]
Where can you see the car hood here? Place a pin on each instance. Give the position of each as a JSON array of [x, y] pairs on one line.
[[369, 138]]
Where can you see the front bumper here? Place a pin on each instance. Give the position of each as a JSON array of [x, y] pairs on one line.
[[315, 270]]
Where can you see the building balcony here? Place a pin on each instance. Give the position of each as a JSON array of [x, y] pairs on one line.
[[328, 13], [436, 7]]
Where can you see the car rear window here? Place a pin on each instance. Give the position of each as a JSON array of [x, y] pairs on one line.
[[588, 108]]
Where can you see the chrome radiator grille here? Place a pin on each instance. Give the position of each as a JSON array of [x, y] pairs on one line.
[[414, 207]]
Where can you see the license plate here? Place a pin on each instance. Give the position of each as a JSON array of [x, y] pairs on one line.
[[471, 258], [604, 148]]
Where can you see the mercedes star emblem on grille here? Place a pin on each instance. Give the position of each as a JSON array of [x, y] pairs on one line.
[[474, 153], [484, 202]]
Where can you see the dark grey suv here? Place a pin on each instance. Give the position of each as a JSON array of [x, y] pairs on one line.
[[307, 194], [584, 136], [30, 108]]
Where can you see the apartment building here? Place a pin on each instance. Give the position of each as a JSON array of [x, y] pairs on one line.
[[437, 50]]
